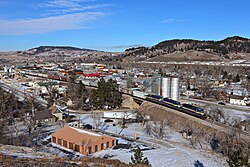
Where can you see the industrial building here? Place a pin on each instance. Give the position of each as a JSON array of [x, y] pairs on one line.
[[81, 140], [168, 87]]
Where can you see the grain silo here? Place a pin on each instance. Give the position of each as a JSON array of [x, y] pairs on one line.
[[156, 86], [166, 87], [175, 93]]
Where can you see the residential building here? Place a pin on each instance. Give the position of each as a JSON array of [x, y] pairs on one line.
[[57, 112], [237, 91], [239, 100], [40, 117]]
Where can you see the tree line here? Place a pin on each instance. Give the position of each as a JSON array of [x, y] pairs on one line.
[[234, 44]]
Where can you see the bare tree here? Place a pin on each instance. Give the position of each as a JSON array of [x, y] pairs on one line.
[[216, 114], [96, 120], [148, 128], [161, 131]]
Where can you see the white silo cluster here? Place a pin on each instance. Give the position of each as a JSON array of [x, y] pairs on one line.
[[170, 87], [166, 87]]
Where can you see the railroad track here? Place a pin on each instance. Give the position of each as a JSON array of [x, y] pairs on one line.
[[208, 122], [21, 93]]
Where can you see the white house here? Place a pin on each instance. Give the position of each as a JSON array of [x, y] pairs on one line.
[[239, 100], [120, 115]]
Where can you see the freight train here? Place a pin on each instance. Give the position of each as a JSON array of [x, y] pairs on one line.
[[176, 105]]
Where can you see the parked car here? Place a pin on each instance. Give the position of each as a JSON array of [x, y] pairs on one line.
[[222, 103]]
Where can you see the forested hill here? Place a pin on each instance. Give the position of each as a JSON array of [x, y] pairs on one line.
[[42, 49], [230, 45]]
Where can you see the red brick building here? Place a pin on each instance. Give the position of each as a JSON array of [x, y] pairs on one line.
[[84, 141]]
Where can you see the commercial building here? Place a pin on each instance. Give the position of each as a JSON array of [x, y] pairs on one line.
[[81, 140]]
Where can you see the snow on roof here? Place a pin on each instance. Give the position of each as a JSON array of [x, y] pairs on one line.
[[85, 132]]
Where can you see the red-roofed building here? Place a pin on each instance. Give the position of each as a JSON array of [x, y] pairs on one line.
[[92, 75], [83, 141]]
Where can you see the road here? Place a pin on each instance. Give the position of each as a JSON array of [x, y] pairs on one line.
[[227, 106]]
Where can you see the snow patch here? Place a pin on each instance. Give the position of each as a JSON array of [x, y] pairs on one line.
[[85, 132]]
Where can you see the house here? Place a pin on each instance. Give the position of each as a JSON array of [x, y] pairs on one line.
[[44, 116], [83, 141], [57, 112], [239, 100], [237, 91], [120, 115]]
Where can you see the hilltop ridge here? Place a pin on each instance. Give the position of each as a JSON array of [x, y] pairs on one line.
[[235, 47]]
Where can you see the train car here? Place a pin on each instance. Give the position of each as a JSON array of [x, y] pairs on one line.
[[184, 108], [154, 97], [45, 75], [50, 76], [172, 102], [40, 75], [193, 110]]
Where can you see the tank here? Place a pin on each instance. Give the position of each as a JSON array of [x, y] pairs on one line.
[[165, 87], [155, 89], [175, 93], [155, 86]]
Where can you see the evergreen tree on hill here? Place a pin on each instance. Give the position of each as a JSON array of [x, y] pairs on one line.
[[138, 157]]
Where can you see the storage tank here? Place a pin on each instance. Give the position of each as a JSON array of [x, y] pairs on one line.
[[155, 88], [175, 93], [166, 87]]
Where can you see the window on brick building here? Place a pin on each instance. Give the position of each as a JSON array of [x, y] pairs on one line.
[[96, 148], [90, 150], [77, 148], [71, 146], [102, 146], [65, 143], [53, 139], [59, 141]]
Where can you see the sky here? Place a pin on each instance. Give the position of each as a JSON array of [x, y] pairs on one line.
[[114, 25]]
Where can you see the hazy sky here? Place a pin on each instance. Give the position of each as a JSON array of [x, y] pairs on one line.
[[118, 24]]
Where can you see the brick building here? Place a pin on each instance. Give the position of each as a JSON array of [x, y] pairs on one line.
[[81, 140]]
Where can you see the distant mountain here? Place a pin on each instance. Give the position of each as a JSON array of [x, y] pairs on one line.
[[42, 49], [229, 48]]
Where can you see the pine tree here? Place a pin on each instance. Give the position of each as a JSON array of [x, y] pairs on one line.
[[138, 157], [107, 93]]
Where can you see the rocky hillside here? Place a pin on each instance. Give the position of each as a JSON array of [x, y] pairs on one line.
[[187, 49], [15, 156]]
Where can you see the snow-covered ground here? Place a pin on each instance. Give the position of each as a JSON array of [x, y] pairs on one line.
[[174, 150], [236, 114]]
